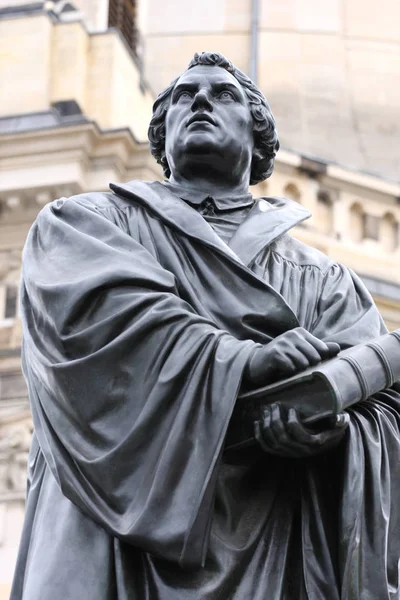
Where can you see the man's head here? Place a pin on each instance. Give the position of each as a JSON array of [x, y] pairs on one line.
[[213, 112]]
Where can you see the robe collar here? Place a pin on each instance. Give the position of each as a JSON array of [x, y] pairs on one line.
[[269, 218], [197, 198]]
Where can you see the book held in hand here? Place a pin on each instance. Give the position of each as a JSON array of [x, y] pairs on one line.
[[324, 390]]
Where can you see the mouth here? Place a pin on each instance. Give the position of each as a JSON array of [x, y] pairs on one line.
[[201, 117]]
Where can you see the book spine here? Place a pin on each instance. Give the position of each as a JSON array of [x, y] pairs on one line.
[[364, 370]]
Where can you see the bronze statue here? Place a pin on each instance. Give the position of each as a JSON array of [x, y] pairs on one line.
[[146, 311]]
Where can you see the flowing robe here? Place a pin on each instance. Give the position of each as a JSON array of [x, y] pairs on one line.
[[138, 322]]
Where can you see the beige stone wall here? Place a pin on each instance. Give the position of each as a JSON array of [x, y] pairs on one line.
[[25, 64], [95, 13], [331, 69], [70, 64], [173, 32], [45, 62]]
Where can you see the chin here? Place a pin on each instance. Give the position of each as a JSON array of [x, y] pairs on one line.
[[204, 145], [200, 143]]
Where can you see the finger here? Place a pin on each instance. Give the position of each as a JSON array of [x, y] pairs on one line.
[[305, 355], [286, 363], [294, 362], [282, 442], [313, 439], [271, 435], [286, 436], [332, 439], [321, 347], [263, 433], [334, 348], [277, 424], [298, 431]]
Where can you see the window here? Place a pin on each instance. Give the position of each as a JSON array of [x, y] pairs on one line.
[[356, 222], [292, 192], [122, 16], [324, 212], [370, 227], [389, 232]]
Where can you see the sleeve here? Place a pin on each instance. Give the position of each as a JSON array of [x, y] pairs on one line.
[[131, 390], [346, 312], [369, 511]]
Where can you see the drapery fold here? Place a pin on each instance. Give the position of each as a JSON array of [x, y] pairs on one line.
[[134, 389]]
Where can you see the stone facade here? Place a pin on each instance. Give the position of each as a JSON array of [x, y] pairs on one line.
[[355, 220], [330, 69], [74, 113]]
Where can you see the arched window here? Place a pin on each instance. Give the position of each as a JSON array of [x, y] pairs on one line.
[[325, 212], [371, 225], [389, 232], [292, 192], [356, 222]]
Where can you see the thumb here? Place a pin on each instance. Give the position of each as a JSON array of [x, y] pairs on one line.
[[333, 347]]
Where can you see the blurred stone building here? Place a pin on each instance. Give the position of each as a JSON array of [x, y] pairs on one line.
[[77, 83]]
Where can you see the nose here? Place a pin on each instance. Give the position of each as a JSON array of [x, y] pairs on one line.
[[201, 101]]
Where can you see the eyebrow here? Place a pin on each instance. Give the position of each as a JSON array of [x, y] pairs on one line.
[[183, 87], [192, 87], [226, 86]]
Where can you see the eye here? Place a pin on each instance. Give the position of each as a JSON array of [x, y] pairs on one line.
[[185, 95], [226, 95]]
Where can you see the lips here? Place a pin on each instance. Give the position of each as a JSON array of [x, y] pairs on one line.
[[198, 117]]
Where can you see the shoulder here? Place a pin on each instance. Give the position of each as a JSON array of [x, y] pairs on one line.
[[96, 201], [292, 250], [121, 197], [87, 206]]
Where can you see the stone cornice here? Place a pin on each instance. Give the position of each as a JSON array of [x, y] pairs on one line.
[[338, 174], [69, 159]]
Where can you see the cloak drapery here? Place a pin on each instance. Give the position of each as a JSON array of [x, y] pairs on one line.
[[138, 322]]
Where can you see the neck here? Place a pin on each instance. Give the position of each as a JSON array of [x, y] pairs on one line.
[[216, 188]]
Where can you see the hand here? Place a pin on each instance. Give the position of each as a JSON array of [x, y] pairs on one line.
[[287, 354], [281, 432]]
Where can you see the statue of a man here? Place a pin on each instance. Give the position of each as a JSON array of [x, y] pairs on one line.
[[145, 311]]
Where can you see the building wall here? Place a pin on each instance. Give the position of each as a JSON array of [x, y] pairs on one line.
[[45, 62], [95, 13], [331, 69], [341, 203]]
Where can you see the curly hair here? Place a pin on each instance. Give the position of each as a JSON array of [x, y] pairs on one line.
[[266, 143]]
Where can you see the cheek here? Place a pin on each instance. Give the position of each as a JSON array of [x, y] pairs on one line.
[[168, 122], [244, 122], [246, 128], [171, 119]]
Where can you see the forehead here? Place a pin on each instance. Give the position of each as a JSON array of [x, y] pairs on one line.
[[203, 75]]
